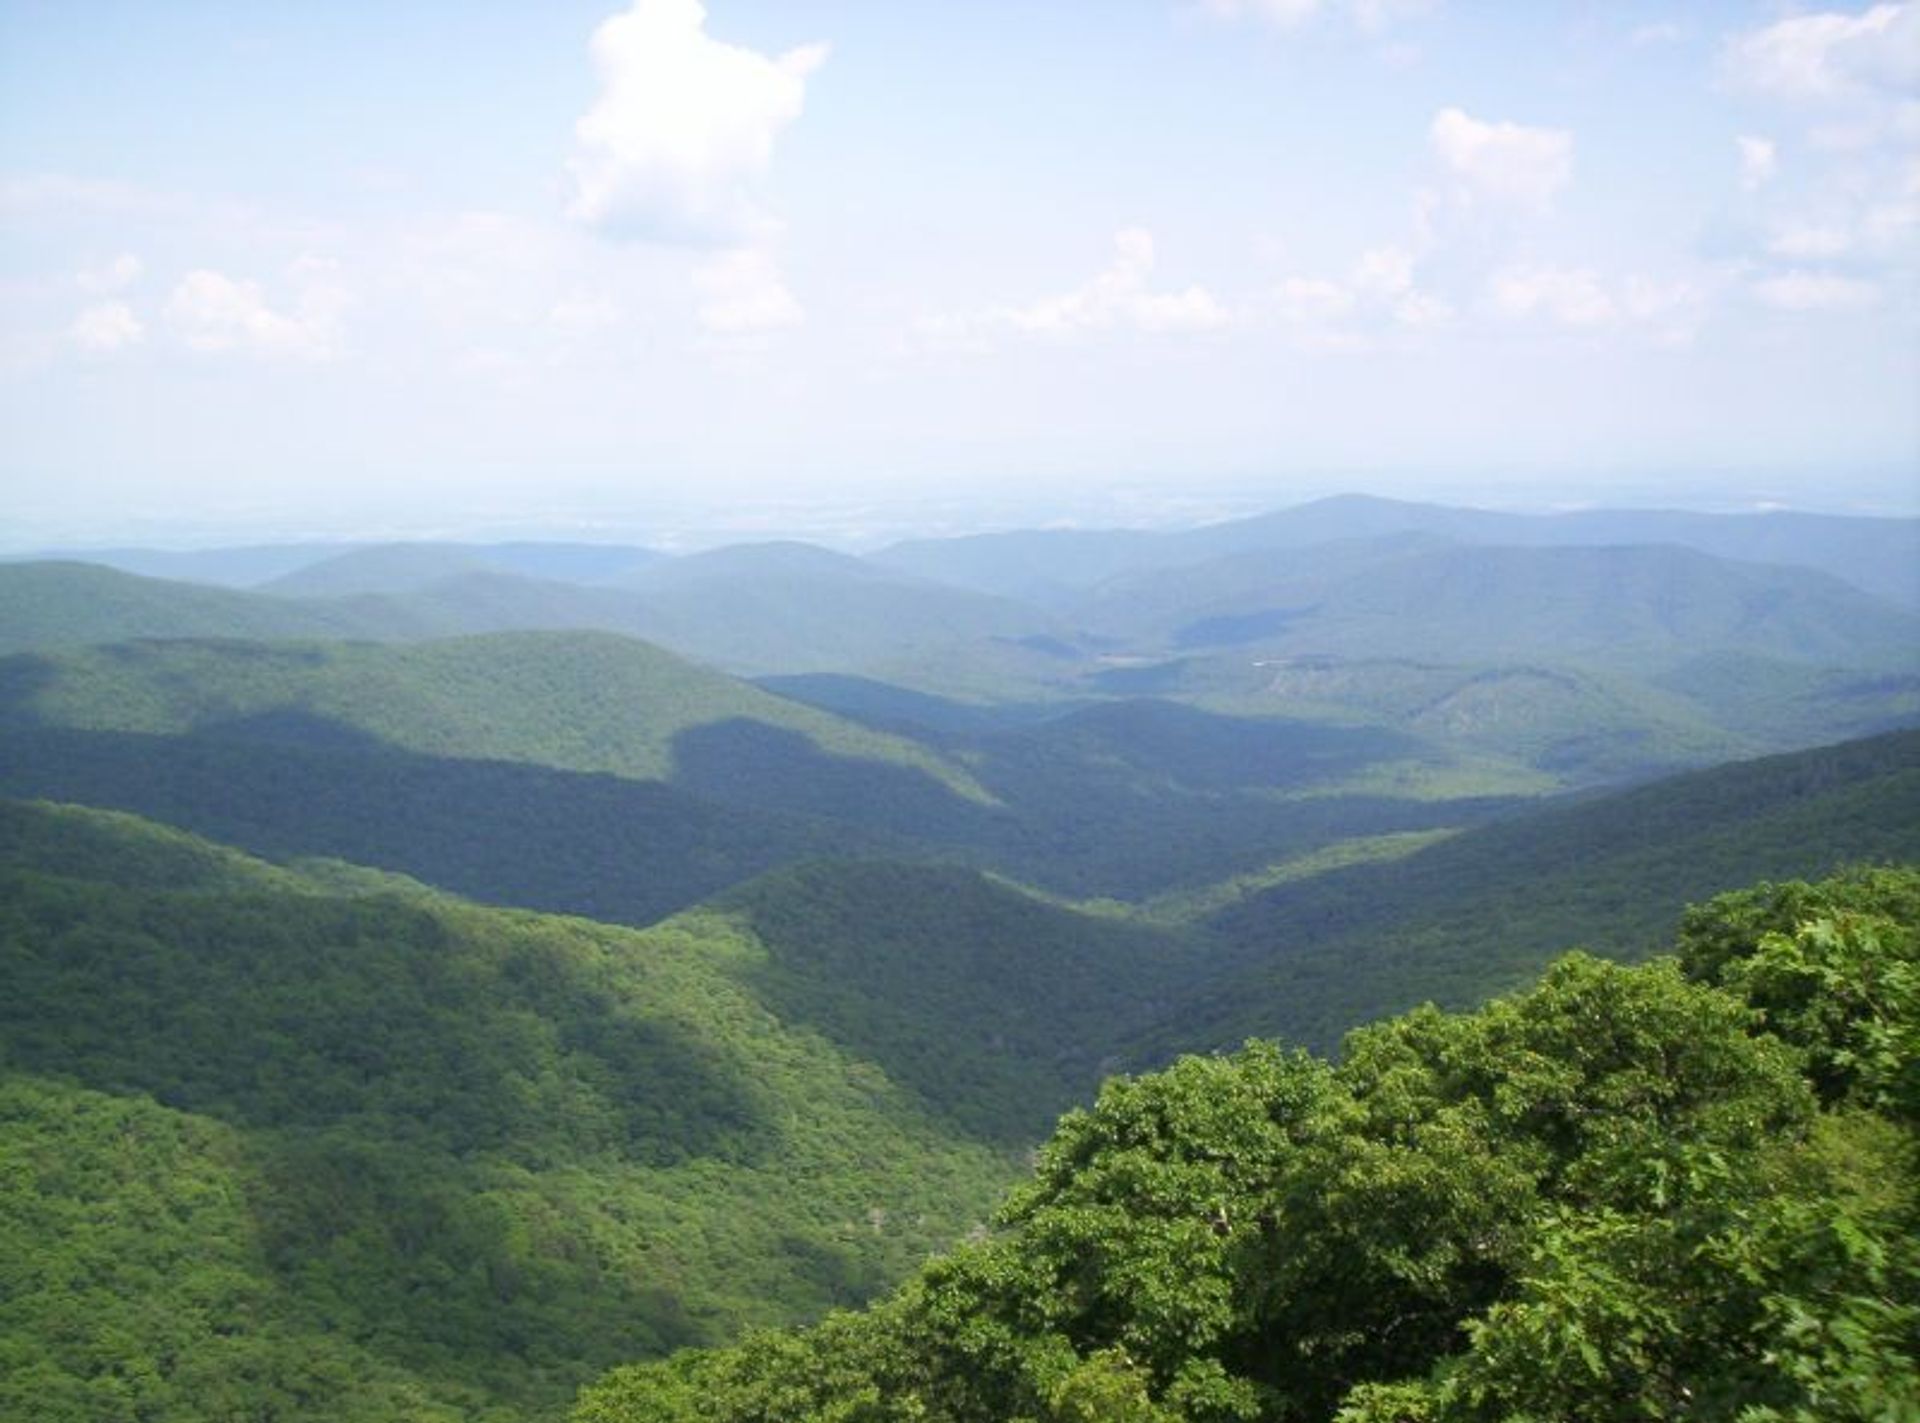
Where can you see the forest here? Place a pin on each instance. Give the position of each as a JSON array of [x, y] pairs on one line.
[[1210, 982]]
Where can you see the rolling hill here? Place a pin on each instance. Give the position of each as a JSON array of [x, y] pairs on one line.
[[1878, 556], [252, 1125], [1482, 911]]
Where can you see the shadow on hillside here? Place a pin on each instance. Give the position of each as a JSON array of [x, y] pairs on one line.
[[750, 763], [293, 785], [995, 1010], [921, 715], [23, 677]]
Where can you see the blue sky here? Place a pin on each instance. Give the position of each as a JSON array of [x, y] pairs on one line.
[[426, 268]]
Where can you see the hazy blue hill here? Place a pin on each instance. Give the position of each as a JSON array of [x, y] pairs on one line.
[[485, 600], [568, 562], [1783, 701], [1878, 555], [400, 1157], [237, 567], [410, 567], [1618, 605], [788, 558], [383, 568], [1047, 566], [791, 607], [47, 605], [1484, 910]]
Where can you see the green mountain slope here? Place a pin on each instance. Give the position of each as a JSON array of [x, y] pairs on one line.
[[456, 1158], [53, 605], [998, 1010], [1684, 1190], [1629, 605], [573, 701], [1480, 912], [790, 608]]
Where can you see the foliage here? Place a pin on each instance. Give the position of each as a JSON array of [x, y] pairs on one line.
[[1620, 1195], [578, 1143]]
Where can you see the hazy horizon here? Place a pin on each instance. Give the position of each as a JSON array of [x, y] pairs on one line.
[[670, 272]]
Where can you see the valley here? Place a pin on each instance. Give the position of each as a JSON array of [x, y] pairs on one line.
[[487, 966]]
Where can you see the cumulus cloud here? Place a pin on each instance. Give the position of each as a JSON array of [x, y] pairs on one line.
[[107, 327], [684, 128], [1305, 300], [1571, 296], [1759, 161], [110, 277], [742, 293], [213, 312], [1502, 162], [1584, 299], [1830, 54], [1815, 291], [1119, 298]]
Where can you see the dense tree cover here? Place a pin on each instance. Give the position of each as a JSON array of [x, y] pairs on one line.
[[1688, 1189], [576, 701], [483, 1153], [998, 1010], [1480, 912]]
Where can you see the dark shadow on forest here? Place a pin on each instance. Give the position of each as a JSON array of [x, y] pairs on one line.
[[499, 832]]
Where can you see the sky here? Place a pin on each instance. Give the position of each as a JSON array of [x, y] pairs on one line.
[[848, 269]]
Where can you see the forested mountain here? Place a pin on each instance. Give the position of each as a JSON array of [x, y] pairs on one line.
[[399, 568], [293, 1132], [50, 605], [1682, 1190], [1482, 911], [1622, 606], [277, 1149]]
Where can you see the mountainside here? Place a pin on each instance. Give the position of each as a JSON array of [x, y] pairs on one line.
[[1620, 605], [1683, 1190], [252, 1125], [405, 567], [787, 608], [1480, 912], [1880, 556], [51, 605], [573, 701]]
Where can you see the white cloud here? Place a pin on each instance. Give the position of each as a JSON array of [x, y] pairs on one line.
[[1307, 300], [583, 315], [1384, 273], [1571, 296], [1808, 242], [110, 277], [1830, 54], [684, 127], [213, 312], [742, 293], [106, 327], [1118, 298], [1759, 161], [1503, 162], [1816, 291], [1582, 298]]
